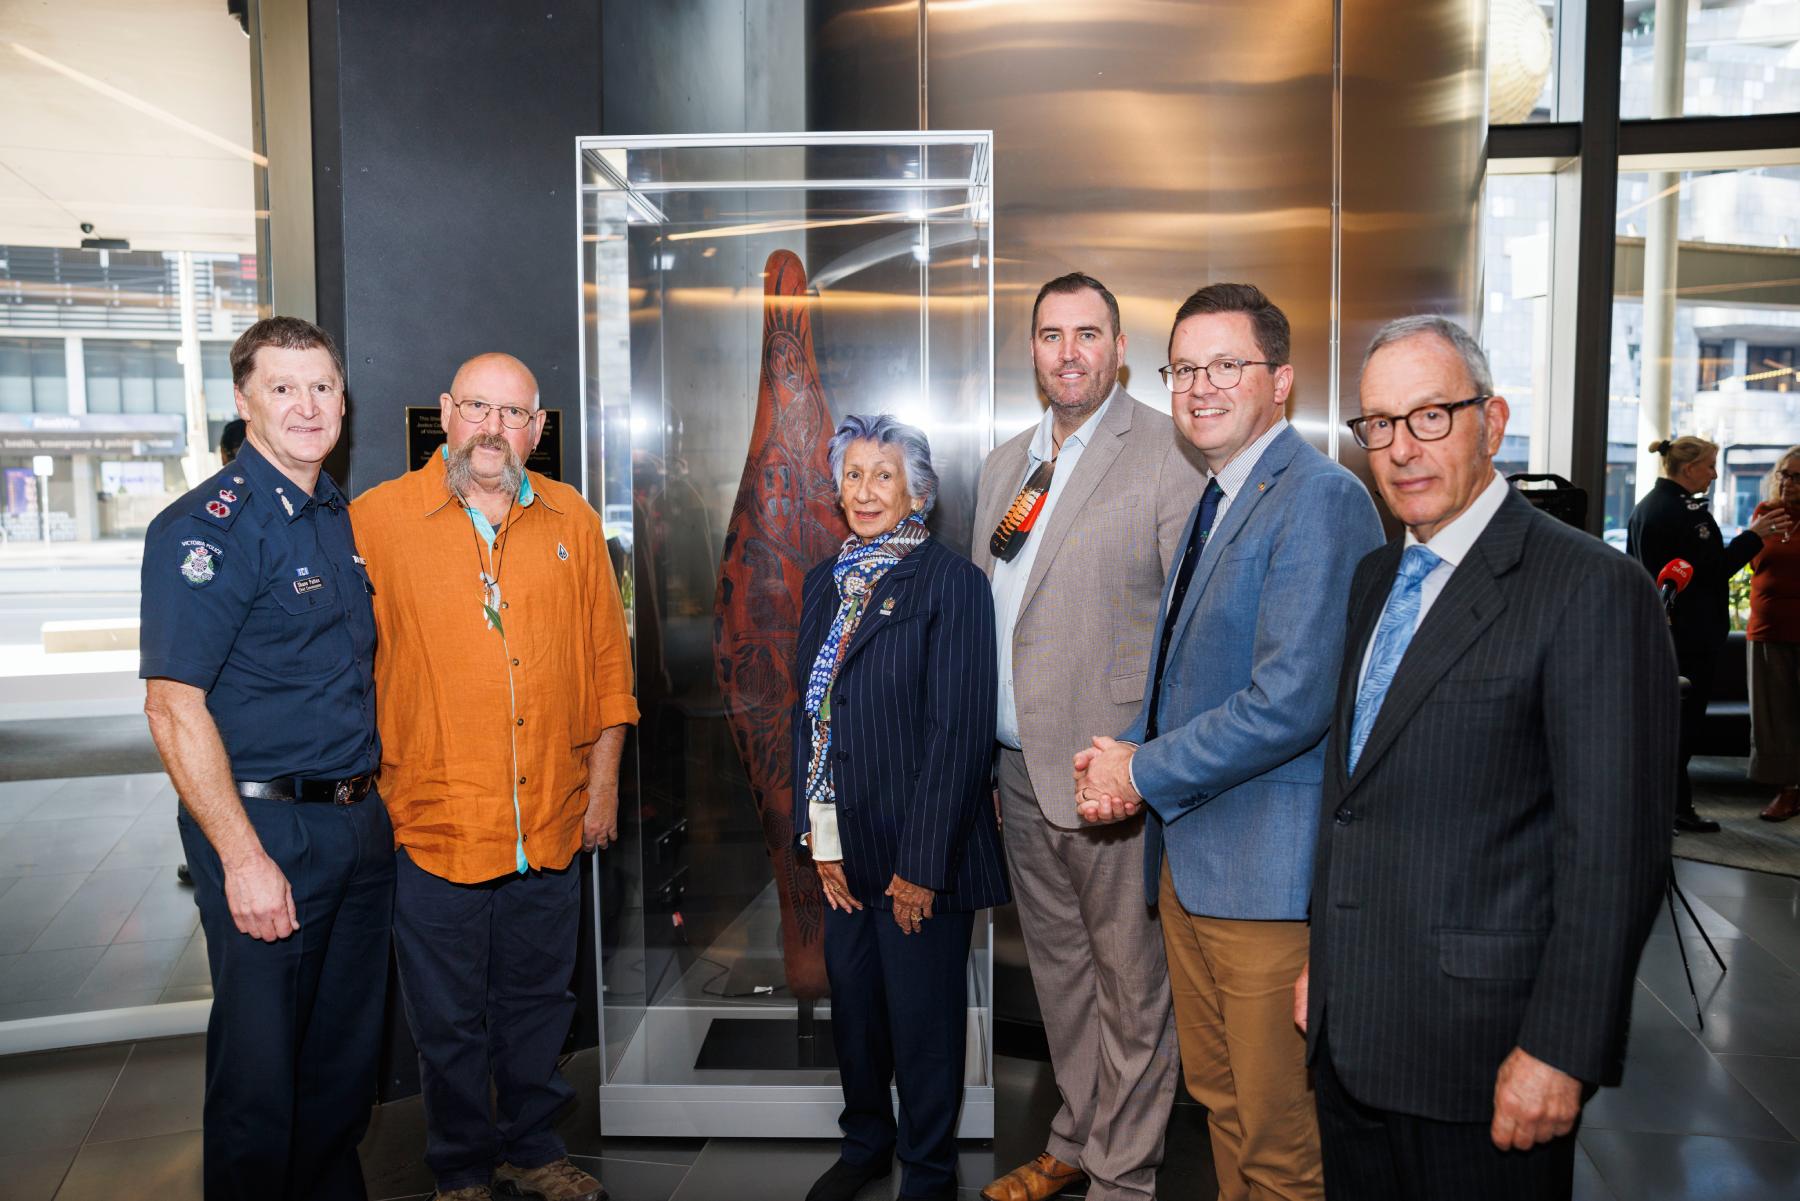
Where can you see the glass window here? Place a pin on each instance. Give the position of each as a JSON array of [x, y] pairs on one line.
[[215, 374], [1515, 318], [133, 376], [1742, 59], [1729, 290], [1521, 61], [1769, 368], [90, 338], [33, 376], [1715, 363]]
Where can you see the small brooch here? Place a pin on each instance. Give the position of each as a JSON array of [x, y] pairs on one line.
[[887, 606]]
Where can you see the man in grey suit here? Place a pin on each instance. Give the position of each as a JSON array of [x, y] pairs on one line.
[[1229, 746], [1494, 830], [1085, 509]]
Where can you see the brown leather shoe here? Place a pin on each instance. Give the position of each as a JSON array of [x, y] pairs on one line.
[[558, 1180], [1785, 805], [1043, 1177]]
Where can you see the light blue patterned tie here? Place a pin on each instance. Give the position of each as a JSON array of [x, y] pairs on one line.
[[1391, 640]]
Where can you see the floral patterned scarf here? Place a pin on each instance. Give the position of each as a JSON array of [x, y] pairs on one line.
[[860, 566]]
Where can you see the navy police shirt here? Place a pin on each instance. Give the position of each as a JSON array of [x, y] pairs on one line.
[[253, 593]]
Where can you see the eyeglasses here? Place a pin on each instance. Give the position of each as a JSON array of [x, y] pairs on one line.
[[1427, 423], [511, 416], [1788, 477], [1224, 373]]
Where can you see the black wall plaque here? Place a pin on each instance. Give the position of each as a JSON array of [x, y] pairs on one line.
[[425, 433]]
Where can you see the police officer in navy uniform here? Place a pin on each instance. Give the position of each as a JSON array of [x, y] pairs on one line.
[[1674, 521], [258, 645]]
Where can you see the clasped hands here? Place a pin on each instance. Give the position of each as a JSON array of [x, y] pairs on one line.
[[912, 902], [1103, 791]]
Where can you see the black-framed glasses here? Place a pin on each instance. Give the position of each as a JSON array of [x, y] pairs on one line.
[[1427, 423], [1224, 373], [1788, 477], [511, 416]]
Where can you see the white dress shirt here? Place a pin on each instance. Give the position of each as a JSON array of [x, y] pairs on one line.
[[1450, 544], [1234, 475], [1009, 578]]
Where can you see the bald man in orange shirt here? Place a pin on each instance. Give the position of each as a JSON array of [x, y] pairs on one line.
[[503, 685]]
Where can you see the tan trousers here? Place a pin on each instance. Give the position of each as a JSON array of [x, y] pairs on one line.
[[1097, 964], [1241, 1054]]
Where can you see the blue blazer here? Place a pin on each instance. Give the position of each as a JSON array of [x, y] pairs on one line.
[[1232, 783], [912, 730]]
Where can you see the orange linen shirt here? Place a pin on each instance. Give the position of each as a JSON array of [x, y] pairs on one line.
[[468, 714]]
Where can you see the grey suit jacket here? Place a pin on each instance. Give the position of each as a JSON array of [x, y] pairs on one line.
[[1082, 643]]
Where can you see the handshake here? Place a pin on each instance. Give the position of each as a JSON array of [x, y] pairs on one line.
[[1103, 790]]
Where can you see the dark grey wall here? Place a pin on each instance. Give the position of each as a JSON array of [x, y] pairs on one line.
[[443, 182]]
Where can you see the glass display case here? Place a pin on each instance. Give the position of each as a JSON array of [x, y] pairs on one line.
[[739, 295]]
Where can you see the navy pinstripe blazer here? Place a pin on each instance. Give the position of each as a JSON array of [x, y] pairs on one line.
[[1487, 877], [912, 730]]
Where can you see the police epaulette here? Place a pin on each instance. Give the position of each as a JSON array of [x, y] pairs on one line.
[[223, 506]]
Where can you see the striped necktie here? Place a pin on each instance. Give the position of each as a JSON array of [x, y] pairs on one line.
[[1392, 637]]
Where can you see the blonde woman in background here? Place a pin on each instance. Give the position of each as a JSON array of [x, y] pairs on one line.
[[1674, 521]]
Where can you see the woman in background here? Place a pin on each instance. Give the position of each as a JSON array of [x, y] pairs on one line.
[[1672, 522], [1773, 642]]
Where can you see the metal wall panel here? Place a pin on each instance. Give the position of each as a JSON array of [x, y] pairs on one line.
[[1157, 146], [1414, 121]]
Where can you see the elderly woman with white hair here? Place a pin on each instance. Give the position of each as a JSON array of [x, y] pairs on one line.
[[893, 753]]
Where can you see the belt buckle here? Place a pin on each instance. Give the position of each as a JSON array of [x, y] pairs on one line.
[[341, 794]]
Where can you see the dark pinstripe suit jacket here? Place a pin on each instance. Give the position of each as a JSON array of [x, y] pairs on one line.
[[1487, 877], [912, 737]]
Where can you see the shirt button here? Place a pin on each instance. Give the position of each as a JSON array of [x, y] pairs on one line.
[[504, 605], [515, 662], [519, 722], [521, 779]]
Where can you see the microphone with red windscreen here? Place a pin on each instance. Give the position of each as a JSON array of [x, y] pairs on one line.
[[1674, 576]]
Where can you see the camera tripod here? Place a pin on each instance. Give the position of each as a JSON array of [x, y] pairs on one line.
[[1671, 891]]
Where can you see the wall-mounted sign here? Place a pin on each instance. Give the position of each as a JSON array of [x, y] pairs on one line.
[[425, 433], [92, 433]]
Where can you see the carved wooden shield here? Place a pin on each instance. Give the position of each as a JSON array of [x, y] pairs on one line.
[[786, 520]]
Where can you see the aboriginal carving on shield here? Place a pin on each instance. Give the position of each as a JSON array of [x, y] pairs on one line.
[[785, 521]]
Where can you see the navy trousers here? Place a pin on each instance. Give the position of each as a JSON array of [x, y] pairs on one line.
[[293, 1043], [485, 971], [1379, 1155], [899, 1015]]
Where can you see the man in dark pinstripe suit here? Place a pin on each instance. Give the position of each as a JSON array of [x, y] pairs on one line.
[[1495, 823]]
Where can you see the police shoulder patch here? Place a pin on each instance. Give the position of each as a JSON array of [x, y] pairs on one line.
[[199, 562]]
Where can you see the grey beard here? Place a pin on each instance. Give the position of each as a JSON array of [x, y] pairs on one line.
[[459, 476]]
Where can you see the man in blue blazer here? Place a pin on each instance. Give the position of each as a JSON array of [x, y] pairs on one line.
[[1227, 752]]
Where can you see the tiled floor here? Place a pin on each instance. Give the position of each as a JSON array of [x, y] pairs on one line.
[[1712, 1115], [91, 915]]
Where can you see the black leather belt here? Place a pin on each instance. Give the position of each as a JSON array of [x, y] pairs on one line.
[[347, 791]]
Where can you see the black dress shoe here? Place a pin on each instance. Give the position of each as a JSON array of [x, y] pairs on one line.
[[183, 875], [1693, 823], [842, 1181]]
